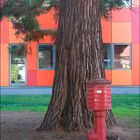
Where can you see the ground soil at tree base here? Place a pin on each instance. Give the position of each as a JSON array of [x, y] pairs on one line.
[[23, 125]]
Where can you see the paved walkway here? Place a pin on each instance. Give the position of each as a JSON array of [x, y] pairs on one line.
[[126, 90], [25, 90], [48, 90]]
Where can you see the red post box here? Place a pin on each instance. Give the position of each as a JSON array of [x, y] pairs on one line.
[[98, 101]]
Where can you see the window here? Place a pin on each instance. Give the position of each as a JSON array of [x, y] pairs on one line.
[[117, 56], [46, 55], [107, 56], [127, 3], [17, 64], [122, 58]]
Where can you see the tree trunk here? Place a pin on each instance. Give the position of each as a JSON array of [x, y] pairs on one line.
[[79, 59]]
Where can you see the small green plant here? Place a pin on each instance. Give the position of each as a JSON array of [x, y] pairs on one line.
[[14, 73]]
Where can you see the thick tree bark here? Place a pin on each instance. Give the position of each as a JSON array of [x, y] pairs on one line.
[[79, 59]]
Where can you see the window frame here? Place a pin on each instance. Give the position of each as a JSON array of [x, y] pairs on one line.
[[14, 84], [113, 56], [53, 56], [112, 51]]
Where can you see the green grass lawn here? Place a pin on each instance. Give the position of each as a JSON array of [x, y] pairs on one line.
[[127, 106], [122, 105], [35, 103]]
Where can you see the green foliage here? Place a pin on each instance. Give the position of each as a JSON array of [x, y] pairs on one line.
[[18, 51], [29, 24], [105, 6], [18, 8], [14, 72], [23, 14]]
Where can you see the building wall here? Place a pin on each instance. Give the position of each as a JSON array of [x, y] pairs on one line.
[[135, 25], [122, 28], [34, 76]]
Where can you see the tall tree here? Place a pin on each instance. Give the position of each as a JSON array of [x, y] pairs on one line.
[[79, 59], [79, 55]]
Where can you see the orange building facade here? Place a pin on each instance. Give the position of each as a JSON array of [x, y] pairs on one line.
[[121, 40]]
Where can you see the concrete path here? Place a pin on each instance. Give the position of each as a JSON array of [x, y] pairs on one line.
[[25, 90], [126, 90], [48, 90]]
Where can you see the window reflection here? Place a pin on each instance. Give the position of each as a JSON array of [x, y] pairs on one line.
[[107, 56], [122, 59], [17, 72], [45, 56]]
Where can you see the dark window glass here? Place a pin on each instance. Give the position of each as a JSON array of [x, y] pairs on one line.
[[107, 56], [122, 57], [45, 56]]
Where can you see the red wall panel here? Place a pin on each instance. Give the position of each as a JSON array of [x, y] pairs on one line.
[[45, 77], [108, 74], [136, 64], [106, 31], [121, 77], [4, 31], [4, 65], [135, 3], [121, 32], [12, 37], [123, 15], [46, 39], [32, 56], [136, 25], [31, 78], [47, 21]]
